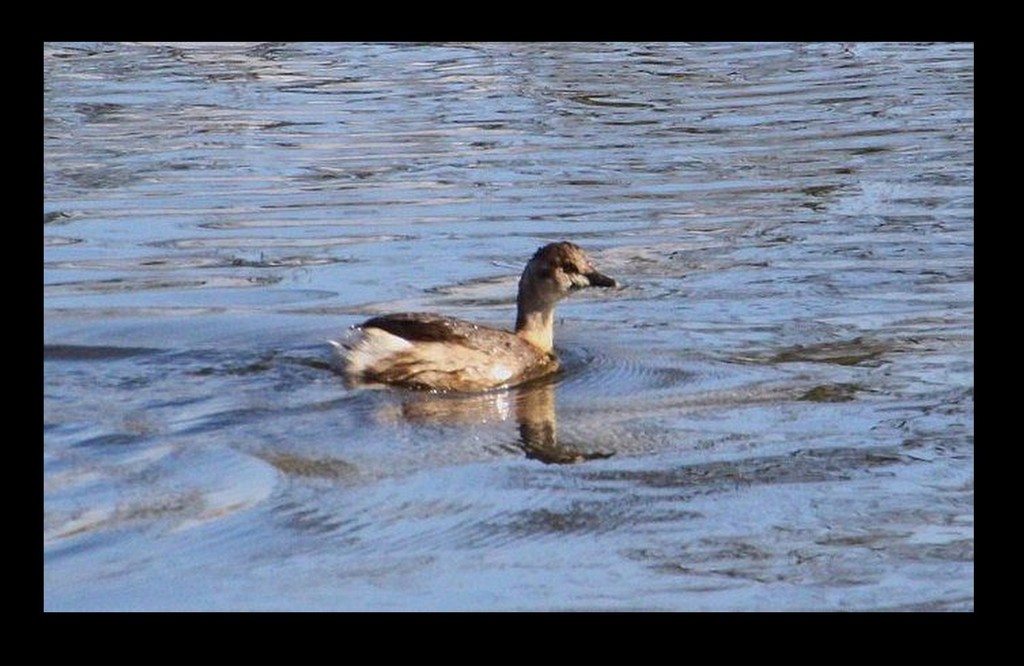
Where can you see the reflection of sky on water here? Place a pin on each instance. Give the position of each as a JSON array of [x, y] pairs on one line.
[[785, 379]]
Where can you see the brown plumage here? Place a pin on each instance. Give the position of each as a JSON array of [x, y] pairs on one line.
[[428, 351]]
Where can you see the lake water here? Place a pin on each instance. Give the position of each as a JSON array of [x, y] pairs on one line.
[[775, 411]]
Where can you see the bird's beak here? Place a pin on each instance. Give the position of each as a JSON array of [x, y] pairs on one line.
[[600, 280]]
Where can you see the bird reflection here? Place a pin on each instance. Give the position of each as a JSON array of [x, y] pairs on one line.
[[538, 433], [532, 405]]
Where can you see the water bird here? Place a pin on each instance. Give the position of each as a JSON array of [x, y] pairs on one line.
[[437, 353]]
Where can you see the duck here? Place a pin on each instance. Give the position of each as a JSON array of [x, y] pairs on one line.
[[426, 351]]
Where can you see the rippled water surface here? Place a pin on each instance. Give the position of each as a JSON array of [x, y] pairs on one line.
[[775, 411]]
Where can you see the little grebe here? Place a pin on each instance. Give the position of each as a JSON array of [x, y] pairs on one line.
[[428, 351]]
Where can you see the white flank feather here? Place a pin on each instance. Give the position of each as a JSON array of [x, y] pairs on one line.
[[366, 347]]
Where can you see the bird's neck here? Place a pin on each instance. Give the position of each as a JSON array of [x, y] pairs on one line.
[[535, 314], [536, 326]]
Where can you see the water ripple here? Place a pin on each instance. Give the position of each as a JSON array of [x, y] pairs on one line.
[[774, 412]]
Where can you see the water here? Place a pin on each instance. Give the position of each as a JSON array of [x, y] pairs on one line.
[[775, 411]]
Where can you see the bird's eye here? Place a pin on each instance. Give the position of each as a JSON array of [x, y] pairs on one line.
[[569, 268]]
